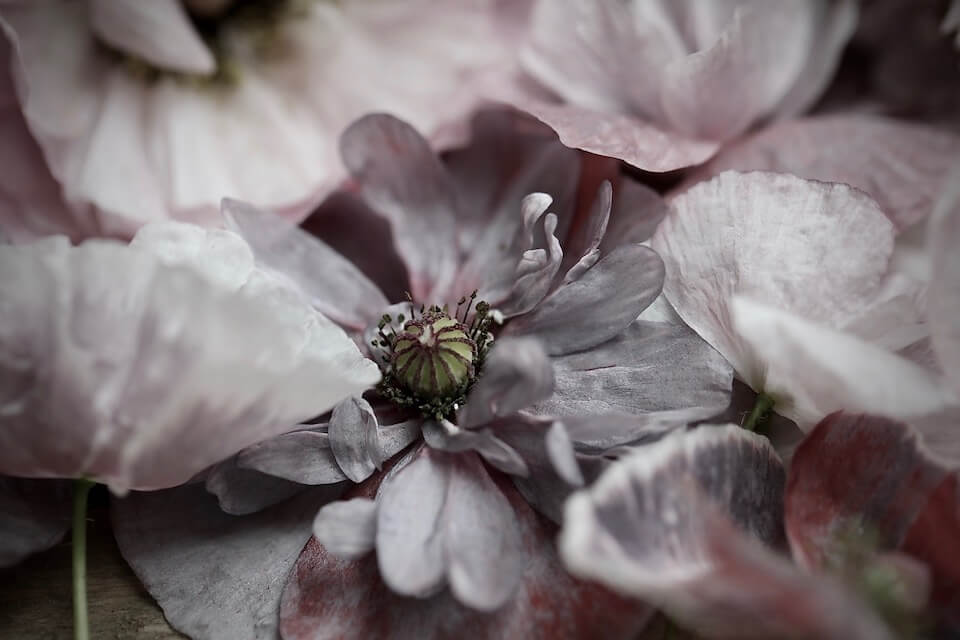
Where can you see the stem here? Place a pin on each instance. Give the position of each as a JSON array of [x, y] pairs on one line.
[[761, 409], [81, 489]]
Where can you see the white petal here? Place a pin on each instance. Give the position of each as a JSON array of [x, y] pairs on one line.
[[347, 528]]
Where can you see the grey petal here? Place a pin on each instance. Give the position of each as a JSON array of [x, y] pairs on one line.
[[582, 251], [353, 438], [216, 576], [335, 286], [601, 433], [243, 491], [448, 437], [561, 454], [636, 212], [482, 538], [517, 373], [402, 179], [34, 516], [394, 438], [647, 368], [535, 272], [410, 552], [301, 456], [599, 305], [347, 528]]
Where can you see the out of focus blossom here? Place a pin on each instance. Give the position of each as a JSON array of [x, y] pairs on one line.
[[152, 110], [662, 85]]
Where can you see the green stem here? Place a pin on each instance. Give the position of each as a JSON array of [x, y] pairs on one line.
[[761, 409], [81, 489]]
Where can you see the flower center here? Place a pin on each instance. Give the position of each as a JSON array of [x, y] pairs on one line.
[[431, 362]]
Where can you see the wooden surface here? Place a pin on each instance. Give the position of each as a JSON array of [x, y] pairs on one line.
[[35, 596]]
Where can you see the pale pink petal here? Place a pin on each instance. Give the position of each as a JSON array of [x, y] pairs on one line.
[[944, 298], [192, 361], [855, 473], [326, 598], [347, 528], [158, 32], [807, 247], [902, 166], [811, 370], [637, 142]]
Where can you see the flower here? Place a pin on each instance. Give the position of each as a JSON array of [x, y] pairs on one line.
[[146, 111], [139, 365], [512, 400], [663, 85], [693, 523]]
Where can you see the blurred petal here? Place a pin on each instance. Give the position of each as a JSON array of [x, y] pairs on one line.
[[327, 598], [902, 166], [812, 371], [561, 454], [516, 374], [215, 576], [347, 528], [448, 437], [944, 298], [301, 456], [670, 524], [158, 32], [143, 380], [334, 285], [241, 492], [401, 178], [34, 516], [806, 247], [860, 473], [647, 368], [353, 438], [598, 306]]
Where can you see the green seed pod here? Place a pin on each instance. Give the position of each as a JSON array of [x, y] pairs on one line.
[[434, 356]]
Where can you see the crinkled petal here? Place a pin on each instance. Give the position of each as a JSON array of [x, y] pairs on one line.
[[301, 456], [583, 249], [401, 178], [335, 286], [448, 437], [516, 374], [598, 306], [34, 516], [143, 380], [483, 543], [327, 598], [814, 248], [535, 272], [353, 438], [215, 575], [855, 474], [903, 166], [637, 142], [347, 528], [647, 368], [157, 32], [812, 371], [944, 298], [670, 524]]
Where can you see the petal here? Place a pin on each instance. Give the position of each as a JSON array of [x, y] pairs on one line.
[[636, 214], [448, 437], [716, 93], [482, 538], [410, 553], [159, 33], [353, 438], [516, 374], [670, 524], [335, 286], [327, 598], [648, 368], [902, 166], [36, 516], [584, 249], [241, 492], [535, 272], [812, 371], [855, 472], [944, 298], [189, 367], [402, 178], [301, 456], [637, 142], [214, 575], [598, 306], [347, 528], [808, 247], [561, 454]]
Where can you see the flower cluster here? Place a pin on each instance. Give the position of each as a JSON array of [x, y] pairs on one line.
[[535, 319]]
